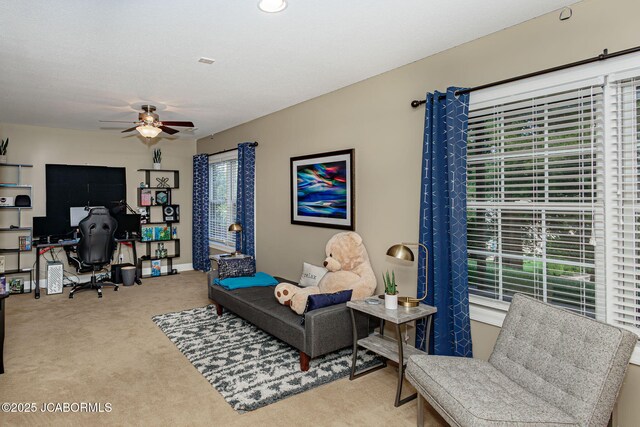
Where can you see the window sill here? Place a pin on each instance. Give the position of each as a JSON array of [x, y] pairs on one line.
[[495, 316], [223, 248]]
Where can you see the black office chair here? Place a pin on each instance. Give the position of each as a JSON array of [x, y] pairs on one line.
[[95, 248]]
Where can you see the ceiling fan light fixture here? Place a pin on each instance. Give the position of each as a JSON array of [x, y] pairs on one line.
[[272, 6], [148, 131]]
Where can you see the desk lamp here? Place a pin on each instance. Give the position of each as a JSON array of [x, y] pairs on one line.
[[402, 251], [236, 228]]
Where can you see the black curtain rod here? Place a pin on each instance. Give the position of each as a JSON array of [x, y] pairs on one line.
[[604, 55], [255, 144]]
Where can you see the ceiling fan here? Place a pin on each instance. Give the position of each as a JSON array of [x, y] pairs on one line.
[[149, 124]]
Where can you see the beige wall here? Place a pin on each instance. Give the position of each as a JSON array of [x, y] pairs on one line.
[[374, 117], [40, 146]]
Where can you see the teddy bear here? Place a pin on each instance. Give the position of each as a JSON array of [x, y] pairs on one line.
[[348, 267], [294, 296]]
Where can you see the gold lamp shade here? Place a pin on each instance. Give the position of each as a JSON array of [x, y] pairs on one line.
[[402, 251], [235, 227]]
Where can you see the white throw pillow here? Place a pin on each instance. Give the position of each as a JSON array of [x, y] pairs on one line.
[[311, 275]]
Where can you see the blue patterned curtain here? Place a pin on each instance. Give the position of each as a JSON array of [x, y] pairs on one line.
[[246, 197], [200, 239], [443, 224]]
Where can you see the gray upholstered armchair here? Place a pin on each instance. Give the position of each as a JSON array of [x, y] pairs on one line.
[[549, 367]]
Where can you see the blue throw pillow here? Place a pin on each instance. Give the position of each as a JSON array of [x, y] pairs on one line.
[[317, 301]]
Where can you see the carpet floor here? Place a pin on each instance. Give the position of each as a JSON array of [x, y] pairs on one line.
[[109, 350], [246, 365]]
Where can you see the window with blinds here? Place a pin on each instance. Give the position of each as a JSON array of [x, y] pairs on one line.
[[624, 266], [223, 179], [535, 198]]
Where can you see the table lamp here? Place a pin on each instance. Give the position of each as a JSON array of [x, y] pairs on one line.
[[402, 251], [236, 228]]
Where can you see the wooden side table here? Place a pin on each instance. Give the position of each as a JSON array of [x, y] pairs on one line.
[[2, 310], [387, 347]]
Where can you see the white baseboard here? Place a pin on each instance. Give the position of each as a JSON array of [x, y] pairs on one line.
[[179, 267], [87, 277]]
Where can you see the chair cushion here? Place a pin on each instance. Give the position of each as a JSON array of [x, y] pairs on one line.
[[471, 392], [570, 360]]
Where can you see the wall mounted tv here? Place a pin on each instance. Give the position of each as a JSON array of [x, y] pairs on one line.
[[75, 186]]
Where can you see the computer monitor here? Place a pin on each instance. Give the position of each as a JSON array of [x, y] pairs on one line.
[[128, 225], [77, 214], [40, 227]]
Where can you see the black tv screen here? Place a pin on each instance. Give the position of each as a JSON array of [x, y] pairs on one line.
[[76, 185]]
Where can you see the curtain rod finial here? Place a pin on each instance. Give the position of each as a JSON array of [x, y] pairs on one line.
[[415, 103]]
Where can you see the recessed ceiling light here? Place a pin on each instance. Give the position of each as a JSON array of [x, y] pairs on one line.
[[272, 6], [206, 60]]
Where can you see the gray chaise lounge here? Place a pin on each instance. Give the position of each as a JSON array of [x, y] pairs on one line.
[[549, 367], [325, 330]]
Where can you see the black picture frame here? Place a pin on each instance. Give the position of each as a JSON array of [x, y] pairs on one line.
[[322, 190], [162, 197], [171, 213]]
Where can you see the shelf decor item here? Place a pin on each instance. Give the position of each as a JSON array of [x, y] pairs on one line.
[[157, 158], [147, 234], [145, 197], [3, 150], [171, 213], [322, 190], [24, 243], [156, 266], [163, 182], [390, 291], [162, 197], [16, 286], [144, 215]]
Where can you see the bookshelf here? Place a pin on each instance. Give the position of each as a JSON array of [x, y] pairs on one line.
[[157, 198], [12, 258]]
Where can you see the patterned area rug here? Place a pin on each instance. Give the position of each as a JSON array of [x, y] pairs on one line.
[[249, 367]]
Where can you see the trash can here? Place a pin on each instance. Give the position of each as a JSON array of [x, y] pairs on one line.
[[128, 275]]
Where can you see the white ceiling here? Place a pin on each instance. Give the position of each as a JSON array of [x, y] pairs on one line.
[[70, 63]]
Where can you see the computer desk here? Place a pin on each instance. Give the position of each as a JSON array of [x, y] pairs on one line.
[[68, 243]]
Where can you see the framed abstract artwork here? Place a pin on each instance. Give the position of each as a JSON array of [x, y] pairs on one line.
[[322, 190]]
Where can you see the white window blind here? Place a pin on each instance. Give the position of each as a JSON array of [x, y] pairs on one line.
[[223, 179], [624, 277], [535, 219]]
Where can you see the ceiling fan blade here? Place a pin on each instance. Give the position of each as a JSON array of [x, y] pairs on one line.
[[186, 124], [168, 130], [116, 121], [129, 130]]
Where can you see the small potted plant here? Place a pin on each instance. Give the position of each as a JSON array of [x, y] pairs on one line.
[[3, 150], [390, 291], [157, 158]]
